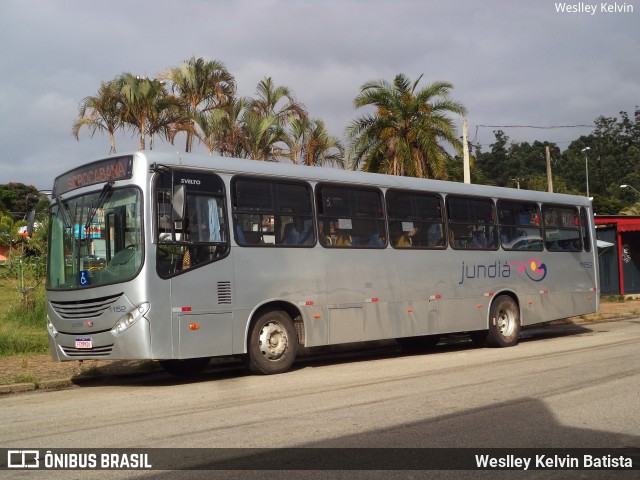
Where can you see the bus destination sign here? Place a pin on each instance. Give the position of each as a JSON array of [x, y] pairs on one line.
[[108, 170]]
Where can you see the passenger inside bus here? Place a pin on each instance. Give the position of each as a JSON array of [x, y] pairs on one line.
[[298, 232], [376, 240], [406, 239], [336, 237]]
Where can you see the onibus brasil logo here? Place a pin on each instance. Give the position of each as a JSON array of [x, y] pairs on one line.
[[532, 268]]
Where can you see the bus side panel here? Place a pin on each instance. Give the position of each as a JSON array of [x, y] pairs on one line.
[[201, 306]]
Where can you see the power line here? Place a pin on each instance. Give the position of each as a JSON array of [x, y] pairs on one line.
[[545, 127]]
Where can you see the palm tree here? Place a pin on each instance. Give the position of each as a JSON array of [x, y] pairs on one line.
[[167, 119], [310, 144], [223, 128], [262, 135], [276, 101], [273, 103], [101, 113], [403, 136], [144, 104], [203, 85]]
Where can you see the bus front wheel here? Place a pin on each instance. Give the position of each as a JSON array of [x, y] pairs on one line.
[[273, 343], [504, 322]]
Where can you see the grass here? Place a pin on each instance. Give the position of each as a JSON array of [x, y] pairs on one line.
[[23, 378], [23, 328]]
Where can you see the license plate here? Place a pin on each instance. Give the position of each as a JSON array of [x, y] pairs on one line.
[[84, 343]]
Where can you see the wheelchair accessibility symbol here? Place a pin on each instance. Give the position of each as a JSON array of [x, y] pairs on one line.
[[84, 278]]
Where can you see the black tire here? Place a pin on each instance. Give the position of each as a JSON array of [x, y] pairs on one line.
[[273, 343], [504, 322], [185, 368]]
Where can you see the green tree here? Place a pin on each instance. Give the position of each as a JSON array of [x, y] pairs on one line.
[[263, 134], [101, 112], [522, 165], [269, 114], [146, 107], [493, 162], [9, 229], [202, 85], [405, 134], [223, 128], [310, 144], [276, 101], [17, 199]]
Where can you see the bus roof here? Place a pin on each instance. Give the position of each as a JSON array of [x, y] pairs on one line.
[[327, 174]]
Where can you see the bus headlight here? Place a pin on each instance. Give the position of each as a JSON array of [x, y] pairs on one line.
[[52, 330], [130, 318]]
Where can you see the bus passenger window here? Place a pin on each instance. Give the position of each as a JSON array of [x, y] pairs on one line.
[[415, 220], [520, 227], [272, 213], [350, 217], [472, 223], [562, 230]]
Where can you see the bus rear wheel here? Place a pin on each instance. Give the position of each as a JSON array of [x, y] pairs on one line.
[[273, 343], [504, 322], [186, 367]]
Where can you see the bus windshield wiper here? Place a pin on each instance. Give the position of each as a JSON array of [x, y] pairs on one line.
[[65, 212], [93, 209]]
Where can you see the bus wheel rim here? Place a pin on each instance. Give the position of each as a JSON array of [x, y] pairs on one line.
[[506, 323], [273, 341]]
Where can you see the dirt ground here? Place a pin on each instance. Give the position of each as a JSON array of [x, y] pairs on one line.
[[40, 368]]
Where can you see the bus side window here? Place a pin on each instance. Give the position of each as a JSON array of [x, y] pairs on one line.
[[201, 237], [562, 230], [472, 223], [350, 217], [272, 212], [415, 220]]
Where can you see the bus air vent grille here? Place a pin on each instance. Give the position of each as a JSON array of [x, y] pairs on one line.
[[224, 293], [103, 351], [90, 308]]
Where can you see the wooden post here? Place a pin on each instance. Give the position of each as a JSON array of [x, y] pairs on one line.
[[465, 152], [549, 177]]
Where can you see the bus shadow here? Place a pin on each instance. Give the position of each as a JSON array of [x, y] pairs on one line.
[[228, 368], [535, 333]]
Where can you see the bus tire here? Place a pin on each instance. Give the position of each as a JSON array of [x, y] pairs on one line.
[[504, 322], [273, 343], [186, 367]]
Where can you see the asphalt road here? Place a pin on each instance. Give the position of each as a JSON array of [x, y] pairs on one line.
[[567, 387]]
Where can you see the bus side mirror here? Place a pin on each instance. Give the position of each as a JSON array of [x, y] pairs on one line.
[[31, 220], [178, 203]]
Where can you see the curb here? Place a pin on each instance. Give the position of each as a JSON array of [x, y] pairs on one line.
[[55, 384], [62, 383], [17, 388]]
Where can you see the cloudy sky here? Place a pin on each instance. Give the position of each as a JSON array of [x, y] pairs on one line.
[[511, 62]]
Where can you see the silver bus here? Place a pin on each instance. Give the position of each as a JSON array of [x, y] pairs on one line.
[[152, 256]]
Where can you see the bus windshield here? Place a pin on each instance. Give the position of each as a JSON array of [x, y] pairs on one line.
[[95, 239]]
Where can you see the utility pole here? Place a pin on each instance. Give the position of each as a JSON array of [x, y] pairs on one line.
[[465, 152], [549, 177]]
